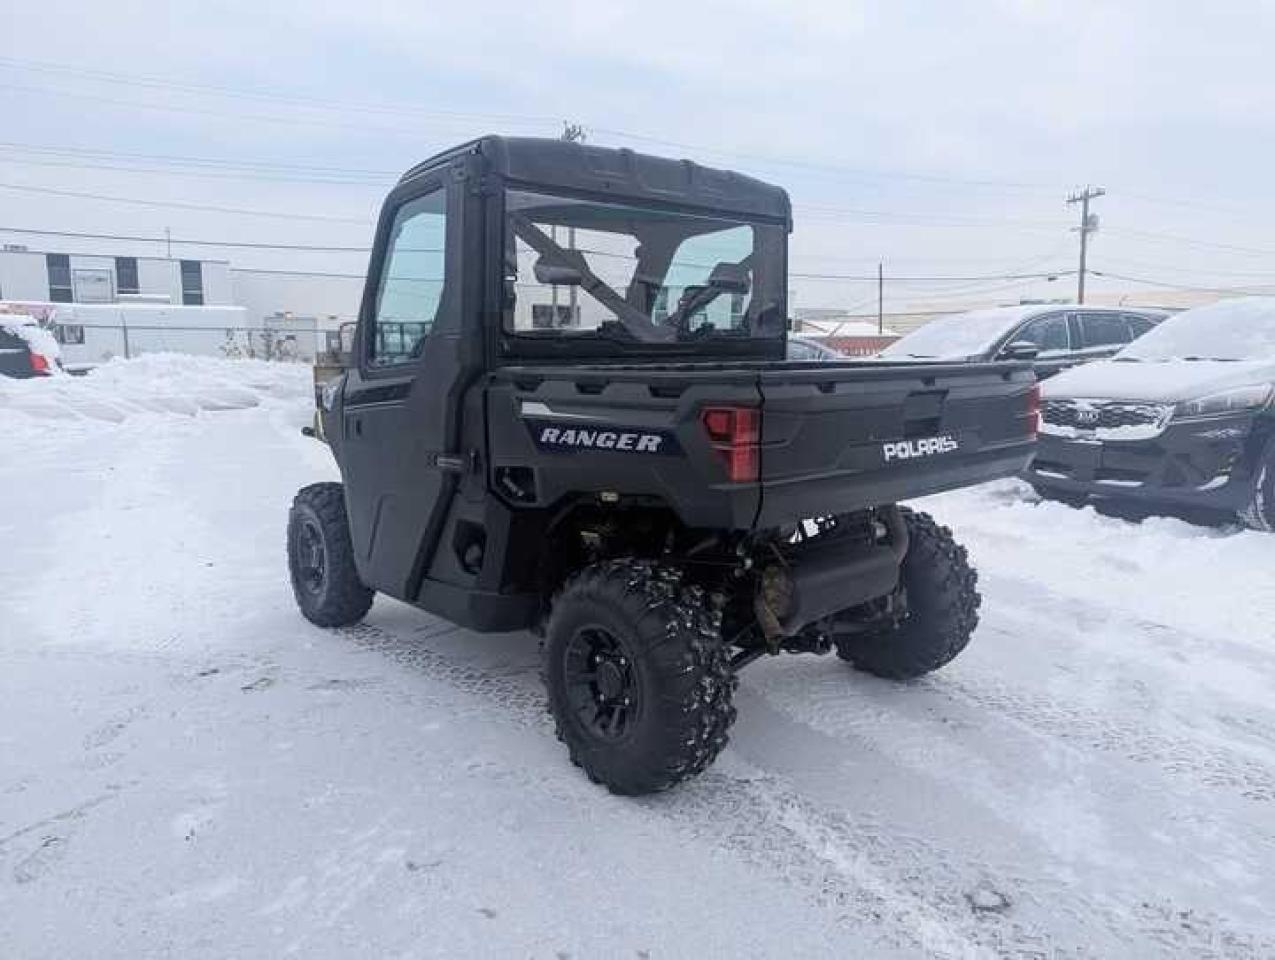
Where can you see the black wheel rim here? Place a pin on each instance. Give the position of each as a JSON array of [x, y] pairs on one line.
[[602, 683], [310, 556]]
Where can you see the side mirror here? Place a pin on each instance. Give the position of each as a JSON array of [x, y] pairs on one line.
[[729, 278], [1021, 350]]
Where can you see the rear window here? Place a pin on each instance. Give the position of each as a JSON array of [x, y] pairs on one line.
[[11, 341]]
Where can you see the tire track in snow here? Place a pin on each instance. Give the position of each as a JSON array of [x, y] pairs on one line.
[[909, 892]]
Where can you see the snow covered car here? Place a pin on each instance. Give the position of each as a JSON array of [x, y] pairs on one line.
[[1053, 337], [26, 348], [1183, 416], [803, 348]]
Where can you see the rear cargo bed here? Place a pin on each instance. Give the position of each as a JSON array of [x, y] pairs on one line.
[[835, 437], [840, 437]]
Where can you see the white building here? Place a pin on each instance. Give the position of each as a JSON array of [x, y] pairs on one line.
[[91, 278]]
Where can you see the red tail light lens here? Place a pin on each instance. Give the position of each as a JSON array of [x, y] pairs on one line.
[[735, 433], [1033, 409], [40, 363]]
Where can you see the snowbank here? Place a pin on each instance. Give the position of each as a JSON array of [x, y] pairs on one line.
[[1161, 570], [152, 384]]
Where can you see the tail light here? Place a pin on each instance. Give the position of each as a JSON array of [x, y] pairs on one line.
[[1033, 409], [735, 433], [40, 363]]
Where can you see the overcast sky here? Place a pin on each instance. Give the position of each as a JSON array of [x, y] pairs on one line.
[[941, 137]]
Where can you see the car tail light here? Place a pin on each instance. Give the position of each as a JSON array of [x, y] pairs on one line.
[[1033, 409], [735, 433], [40, 363]]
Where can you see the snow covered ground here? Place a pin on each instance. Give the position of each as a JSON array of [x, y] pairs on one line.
[[188, 769]]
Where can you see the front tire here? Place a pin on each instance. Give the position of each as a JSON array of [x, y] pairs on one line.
[[321, 558], [639, 681], [940, 590]]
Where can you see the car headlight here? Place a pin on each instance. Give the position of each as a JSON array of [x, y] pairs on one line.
[[1228, 401]]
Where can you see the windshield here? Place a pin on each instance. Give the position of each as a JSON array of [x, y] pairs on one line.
[[586, 268], [961, 335], [1229, 330]]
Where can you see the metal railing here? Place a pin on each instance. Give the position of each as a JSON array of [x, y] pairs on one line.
[[99, 342]]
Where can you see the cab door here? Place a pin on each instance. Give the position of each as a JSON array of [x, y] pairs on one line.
[[394, 409]]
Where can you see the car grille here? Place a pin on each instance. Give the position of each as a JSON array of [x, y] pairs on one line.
[[1102, 415]]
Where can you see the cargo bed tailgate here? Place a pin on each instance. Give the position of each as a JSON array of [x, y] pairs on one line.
[[840, 437]]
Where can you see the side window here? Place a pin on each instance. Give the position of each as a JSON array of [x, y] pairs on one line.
[[1050, 333], [1103, 329], [412, 281], [1138, 325]]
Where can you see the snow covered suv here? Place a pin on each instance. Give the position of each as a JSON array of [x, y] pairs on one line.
[[1053, 337], [26, 348], [1183, 416]]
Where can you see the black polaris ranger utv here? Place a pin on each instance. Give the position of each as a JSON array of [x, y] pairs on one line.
[[569, 411]]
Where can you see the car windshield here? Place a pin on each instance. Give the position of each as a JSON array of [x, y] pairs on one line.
[[586, 268], [960, 335], [1228, 330]]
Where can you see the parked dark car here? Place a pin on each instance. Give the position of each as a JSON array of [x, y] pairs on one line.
[[1054, 337], [1183, 416], [26, 348]]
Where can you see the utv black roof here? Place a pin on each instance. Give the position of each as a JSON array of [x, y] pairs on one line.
[[621, 173]]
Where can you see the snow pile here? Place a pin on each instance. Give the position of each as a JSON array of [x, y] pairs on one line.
[[1161, 570], [153, 384]]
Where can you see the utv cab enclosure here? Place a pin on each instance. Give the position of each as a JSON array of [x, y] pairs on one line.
[[568, 410]]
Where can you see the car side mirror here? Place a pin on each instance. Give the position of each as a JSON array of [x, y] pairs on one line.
[[1021, 350], [730, 278]]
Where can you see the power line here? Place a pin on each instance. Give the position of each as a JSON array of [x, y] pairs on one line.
[[273, 171], [300, 273], [153, 82], [247, 245], [1125, 262], [1048, 275], [175, 204], [274, 119], [1191, 241], [198, 243], [201, 174], [162, 83], [1180, 286], [216, 162], [823, 167]]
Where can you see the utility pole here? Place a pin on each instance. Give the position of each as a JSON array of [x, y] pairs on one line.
[[880, 299], [1087, 226], [572, 133]]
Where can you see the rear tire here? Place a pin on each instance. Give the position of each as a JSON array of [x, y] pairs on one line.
[[639, 681], [321, 558], [941, 594], [1259, 513]]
